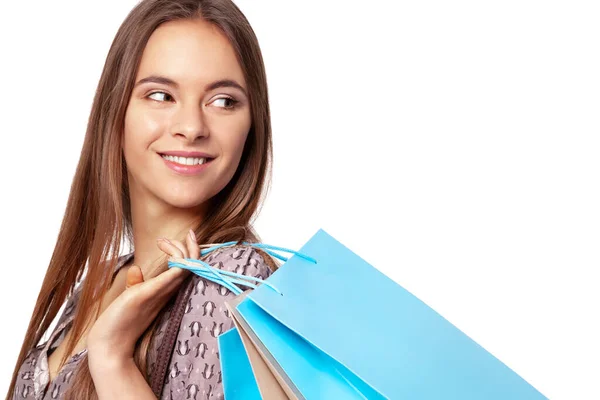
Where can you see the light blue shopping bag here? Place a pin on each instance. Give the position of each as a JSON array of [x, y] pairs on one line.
[[238, 379], [334, 327]]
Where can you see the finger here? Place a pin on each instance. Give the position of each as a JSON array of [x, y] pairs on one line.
[[134, 276], [182, 247], [173, 250], [169, 247], [164, 283], [192, 244]]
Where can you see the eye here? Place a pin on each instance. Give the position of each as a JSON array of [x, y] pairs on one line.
[[231, 100], [158, 92]]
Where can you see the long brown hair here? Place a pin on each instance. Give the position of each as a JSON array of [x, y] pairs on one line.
[[97, 218]]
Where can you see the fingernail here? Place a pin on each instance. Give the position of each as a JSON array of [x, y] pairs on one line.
[[162, 239], [192, 235]]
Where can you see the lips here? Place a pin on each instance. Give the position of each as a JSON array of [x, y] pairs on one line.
[[187, 169]]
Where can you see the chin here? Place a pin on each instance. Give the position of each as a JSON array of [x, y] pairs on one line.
[[186, 202]]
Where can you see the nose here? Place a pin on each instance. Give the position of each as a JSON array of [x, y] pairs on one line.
[[190, 123]]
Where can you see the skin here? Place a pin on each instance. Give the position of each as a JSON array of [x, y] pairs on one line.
[[166, 204]]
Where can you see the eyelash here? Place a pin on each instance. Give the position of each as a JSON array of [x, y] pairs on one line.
[[234, 101]]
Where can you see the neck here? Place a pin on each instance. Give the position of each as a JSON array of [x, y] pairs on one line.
[[153, 219]]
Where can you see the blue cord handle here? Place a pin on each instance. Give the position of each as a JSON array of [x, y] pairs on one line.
[[266, 247], [211, 274], [225, 278], [229, 279], [218, 246]]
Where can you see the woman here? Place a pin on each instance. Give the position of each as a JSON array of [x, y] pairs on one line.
[[177, 152]]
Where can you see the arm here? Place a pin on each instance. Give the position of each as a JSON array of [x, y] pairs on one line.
[[113, 336], [116, 379]]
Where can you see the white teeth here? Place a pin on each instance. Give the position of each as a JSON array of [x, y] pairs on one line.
[[185, 160]]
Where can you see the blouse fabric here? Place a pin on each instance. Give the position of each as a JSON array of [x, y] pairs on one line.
[[194, 371]]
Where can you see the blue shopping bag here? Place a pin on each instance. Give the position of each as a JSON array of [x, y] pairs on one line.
[[331, 326], [238, 379]]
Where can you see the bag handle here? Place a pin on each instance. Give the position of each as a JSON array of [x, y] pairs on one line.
[[229, 279], [165, 351]]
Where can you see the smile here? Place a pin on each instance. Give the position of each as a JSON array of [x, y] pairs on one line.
[[185, 160], [186, 165]]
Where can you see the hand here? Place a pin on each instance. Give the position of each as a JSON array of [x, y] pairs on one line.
[[112, 338]]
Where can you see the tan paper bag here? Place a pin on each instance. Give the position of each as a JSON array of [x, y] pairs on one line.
[[272, 382]]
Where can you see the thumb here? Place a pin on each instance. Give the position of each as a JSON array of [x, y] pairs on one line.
[[134, 276]]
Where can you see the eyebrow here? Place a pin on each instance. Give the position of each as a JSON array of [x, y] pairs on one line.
[[163, 80]]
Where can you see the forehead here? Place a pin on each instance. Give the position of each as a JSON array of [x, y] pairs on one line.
[[190, 52]]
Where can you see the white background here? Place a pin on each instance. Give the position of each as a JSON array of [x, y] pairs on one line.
[[453, 145]]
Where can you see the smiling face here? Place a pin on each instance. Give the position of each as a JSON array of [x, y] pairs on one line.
[[193, 106]]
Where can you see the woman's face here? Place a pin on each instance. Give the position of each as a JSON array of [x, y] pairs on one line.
[[186, 100]]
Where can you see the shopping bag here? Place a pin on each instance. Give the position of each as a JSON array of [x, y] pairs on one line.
[[238, 379], [261, 372], [330, 326]]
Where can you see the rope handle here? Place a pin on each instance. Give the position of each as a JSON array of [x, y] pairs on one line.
[[228, 279]]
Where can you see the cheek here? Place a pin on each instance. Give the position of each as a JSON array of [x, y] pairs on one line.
[[235, 148], [235, 142], [140, 130]]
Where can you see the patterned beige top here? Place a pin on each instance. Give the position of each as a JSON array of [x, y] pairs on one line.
[[195, 369]]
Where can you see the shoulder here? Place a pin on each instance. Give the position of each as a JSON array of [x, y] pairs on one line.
[[205, 312], [73, 297], [205, 308], [245, 260]]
